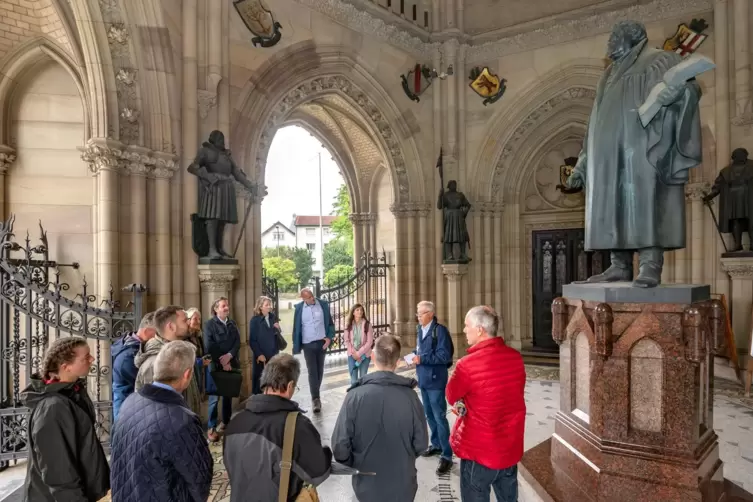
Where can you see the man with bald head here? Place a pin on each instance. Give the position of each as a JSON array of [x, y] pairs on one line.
[[313, 331]]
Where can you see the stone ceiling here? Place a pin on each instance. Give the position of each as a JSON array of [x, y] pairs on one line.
[[336, 120], [482, 16]]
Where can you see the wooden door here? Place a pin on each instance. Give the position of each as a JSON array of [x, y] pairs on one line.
[[558, 259]]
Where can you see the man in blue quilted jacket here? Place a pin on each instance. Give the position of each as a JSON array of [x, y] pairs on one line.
[[159, 452]]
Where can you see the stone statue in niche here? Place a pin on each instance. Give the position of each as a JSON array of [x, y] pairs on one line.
[[217, 173], [734, 186], [634, 176], [455, 238]]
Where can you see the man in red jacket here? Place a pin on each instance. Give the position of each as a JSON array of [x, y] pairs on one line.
[[486, 390]]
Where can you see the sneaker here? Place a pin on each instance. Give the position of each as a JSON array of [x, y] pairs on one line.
[[317, 405], [431, 451], [212, 436], [444, 466]]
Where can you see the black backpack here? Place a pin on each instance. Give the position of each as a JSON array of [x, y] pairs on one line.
[[434, 344]]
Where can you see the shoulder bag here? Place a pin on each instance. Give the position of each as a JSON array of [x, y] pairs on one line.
[[308, 492]]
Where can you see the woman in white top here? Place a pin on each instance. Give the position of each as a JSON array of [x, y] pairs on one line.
[[359, 339]]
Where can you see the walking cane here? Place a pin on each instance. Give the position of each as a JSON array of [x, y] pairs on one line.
[[716, 224]]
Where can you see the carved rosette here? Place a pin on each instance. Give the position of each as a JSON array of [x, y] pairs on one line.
[[603, 318], [206, 101], [7, 157], [324, 85], [694, 335], [560, 319], [121, 48], [696, 191]]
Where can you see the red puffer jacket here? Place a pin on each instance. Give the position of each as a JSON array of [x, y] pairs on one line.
[[490, 380]]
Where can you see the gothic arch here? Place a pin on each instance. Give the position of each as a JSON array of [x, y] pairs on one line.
[[22, 59], [569, 88], [264, 105]]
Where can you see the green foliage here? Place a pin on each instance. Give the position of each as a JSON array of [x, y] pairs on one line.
[[302, 258], [283, 270], [337, 275], [337, 252], [341, 227]]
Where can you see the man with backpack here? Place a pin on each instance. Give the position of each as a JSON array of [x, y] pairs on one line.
[[433, 358]]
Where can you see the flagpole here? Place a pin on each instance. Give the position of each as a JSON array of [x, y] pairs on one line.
[[321, 221]]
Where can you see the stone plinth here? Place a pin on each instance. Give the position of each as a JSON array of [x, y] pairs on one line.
[[635, 420], [455, 316]]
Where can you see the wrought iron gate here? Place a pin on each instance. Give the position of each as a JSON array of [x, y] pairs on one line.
[[369, 287], [269, 289], [33, 312]]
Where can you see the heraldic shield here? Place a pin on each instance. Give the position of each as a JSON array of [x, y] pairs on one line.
[[687, 39], [259, 20], [487, 85], [565, 171]]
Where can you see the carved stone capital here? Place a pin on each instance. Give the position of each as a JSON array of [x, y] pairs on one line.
[[410, 209], [491, 208], [217, 278], [7, 157], [738, 268], [454, 271], [101, 154], [362, 218], [255, 197], [696, 191]]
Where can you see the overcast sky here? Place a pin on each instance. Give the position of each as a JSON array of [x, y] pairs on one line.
[[292, 177]]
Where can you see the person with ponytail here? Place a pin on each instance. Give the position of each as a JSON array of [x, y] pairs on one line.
[[66, 459]]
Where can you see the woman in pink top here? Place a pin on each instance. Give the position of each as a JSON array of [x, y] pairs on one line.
[[359, 338]]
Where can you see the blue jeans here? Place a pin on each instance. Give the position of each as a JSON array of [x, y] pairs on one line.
[[435, 409], [477, 481], [227, 410], [360, 372]]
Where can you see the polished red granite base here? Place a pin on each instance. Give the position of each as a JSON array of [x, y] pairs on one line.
[[541, 480], [636, 418]]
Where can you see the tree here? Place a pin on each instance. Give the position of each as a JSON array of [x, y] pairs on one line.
[[302, 258], [337, 252], [283, 270], [337, 275], [341, 226]]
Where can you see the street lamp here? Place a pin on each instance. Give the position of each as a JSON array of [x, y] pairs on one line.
[[278, 238]]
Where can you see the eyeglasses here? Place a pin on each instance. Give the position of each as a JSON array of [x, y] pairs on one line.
[[419, 314]]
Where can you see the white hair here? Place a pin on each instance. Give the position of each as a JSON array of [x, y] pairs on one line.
[[173, 361], [427, 305], [485, 318], [305, 290]]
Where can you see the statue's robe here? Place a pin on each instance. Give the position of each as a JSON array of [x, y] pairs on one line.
[[635, 176], [734, 184]]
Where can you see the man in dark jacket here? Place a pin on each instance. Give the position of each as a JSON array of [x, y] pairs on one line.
[[222, 341], [158, 448], [433, 357], [381, 429], [253, 440], [124, 368]]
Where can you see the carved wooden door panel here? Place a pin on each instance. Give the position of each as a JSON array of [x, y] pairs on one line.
[[558, 259]]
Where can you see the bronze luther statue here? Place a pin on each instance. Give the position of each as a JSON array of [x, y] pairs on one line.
[[634, 176], [454, 207], [734, 186], [217, 173]]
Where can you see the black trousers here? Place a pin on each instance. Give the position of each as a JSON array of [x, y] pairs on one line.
[[313, 353], [256, 371]]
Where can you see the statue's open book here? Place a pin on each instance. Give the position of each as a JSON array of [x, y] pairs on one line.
[[688, 69]]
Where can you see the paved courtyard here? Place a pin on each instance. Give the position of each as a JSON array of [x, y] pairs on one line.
[[733, 420]]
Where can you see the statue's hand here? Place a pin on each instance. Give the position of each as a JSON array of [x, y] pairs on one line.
[[670, 94], [575, 180]]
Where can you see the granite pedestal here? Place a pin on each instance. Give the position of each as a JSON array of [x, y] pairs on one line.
[[635, 420]]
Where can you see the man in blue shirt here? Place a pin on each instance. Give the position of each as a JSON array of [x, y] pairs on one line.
[[433, 357], [313, 331], [124, 368]]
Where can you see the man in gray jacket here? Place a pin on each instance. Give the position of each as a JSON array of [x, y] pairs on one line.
[[382, 429]]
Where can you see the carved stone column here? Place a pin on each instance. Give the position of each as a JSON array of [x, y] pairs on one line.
[[740, 271], [743, 111], [695, 192], [162, 172], [455, 314], [217, 281], [371, 222], [137, 163], [358, 237], [721, 83], [403, 309], [7, 157], [425, 257]]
